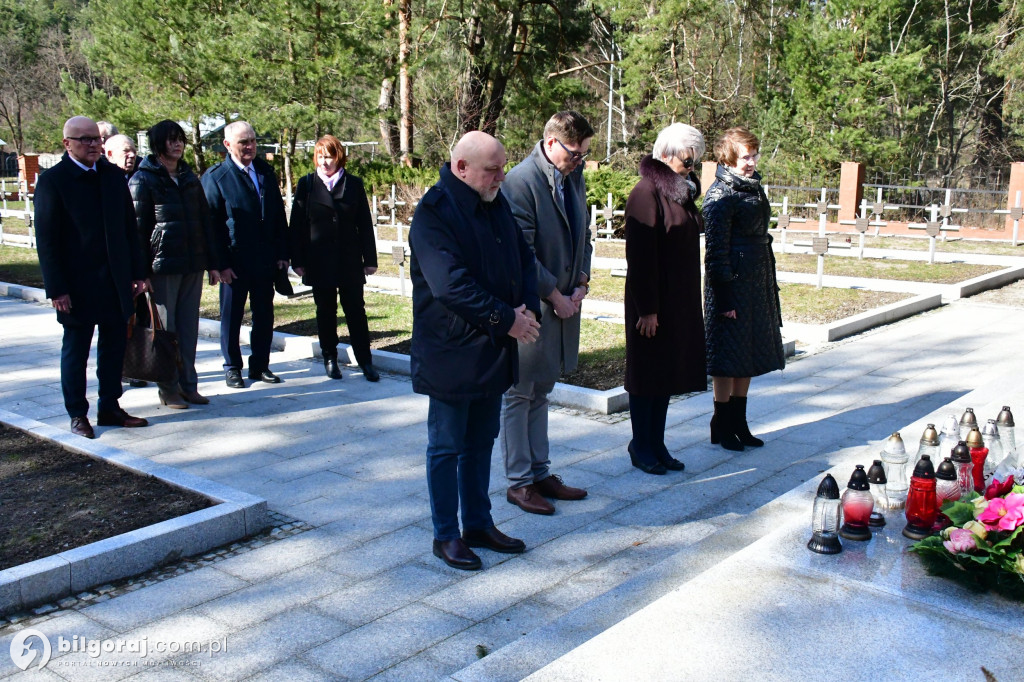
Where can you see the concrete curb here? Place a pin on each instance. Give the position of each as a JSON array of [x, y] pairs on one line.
[[976, 285], [236, 515]]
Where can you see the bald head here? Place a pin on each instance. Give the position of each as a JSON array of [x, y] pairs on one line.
[[478, 159], [82, 140]]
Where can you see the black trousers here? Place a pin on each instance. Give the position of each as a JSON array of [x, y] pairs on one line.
[[260, 293], [74, 355], [354, 307], [647, 416]]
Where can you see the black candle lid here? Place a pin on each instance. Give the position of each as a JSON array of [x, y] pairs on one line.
[[961, 453], [859, 479], [876, 474], [828, 488], [924, 468], [946, 470]]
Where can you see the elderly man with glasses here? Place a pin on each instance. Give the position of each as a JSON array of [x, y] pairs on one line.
[[92, 269], [549, 201]]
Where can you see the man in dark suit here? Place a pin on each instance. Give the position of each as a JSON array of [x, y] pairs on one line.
[[92, 269], [250, 227]]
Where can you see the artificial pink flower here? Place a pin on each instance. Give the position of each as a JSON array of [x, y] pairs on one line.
[[1004, 513], [960, 540], [999, 488]]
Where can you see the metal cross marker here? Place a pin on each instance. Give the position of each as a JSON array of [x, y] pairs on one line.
[[607, 212], [398, 258], [783, 221], [862, 223], [1015, 213], [934, 228]]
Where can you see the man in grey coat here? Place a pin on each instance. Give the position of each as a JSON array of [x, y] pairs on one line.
[[549, 201]]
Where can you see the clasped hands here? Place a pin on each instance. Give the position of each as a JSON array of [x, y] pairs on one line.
[[526, 328]]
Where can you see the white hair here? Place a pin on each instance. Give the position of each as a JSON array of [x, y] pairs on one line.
[[115, 141], [106, 128], [236, 127], [678, 138]]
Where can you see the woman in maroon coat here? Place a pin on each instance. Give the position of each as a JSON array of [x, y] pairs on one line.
[[664, 318]]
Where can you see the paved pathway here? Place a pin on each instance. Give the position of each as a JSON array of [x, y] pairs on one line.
[[361, 595]]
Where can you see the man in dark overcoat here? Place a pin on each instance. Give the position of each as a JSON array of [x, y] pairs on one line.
[[251, 230], [475, 298], [92, 270], [549, 200]]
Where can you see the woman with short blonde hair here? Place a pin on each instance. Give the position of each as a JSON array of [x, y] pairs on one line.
[[741, 296]]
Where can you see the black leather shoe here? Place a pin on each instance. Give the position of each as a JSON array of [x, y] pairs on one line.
[[494, 540], [369, 372], [233, 378], [456, 554], [266, 376], [136, 383], [331, 368], [657, 468]]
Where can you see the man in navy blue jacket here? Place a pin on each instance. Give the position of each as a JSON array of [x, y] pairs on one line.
[[474, 294], [251, 230], [92, 269]]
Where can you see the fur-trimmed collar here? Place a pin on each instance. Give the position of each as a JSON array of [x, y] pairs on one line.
[[678, 188]]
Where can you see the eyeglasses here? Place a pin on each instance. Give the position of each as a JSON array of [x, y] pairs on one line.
[[87, 139], [574, 156], [687, 163], [751, 157]]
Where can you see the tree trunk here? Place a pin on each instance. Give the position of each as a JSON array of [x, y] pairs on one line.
[[405, 127], [198, 160], [288, 152], [472, 105], [388, 129]]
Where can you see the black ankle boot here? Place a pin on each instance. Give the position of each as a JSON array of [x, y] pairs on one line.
[[738, 406], [722, 429], [331, 367]]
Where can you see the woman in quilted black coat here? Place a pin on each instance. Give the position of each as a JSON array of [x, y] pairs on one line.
[[741, 296], [664, 324], [177, 243]]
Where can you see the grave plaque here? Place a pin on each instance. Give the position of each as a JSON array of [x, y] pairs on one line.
[[783, 221], [945, 210], [819, 245], [877, 207], [861, 224], [1017, 212], [607, 212], [932, 228], [397, 255], [822, 207]]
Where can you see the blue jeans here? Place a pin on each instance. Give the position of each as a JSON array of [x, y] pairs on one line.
[[460, 437]]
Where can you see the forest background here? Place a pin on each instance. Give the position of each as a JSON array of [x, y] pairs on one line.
[[932, 90]]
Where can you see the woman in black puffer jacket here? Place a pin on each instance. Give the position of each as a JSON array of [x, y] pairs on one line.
[[741, 296], [174, 230]]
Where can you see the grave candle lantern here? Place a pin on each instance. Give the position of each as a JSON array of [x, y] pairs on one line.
[[857, 506], [876, 477], [921, 512], [894, 459], [1007, 430], [950, 435], [946, 486], [990, 434], [929, 444], [979, 453], [967, 422], [961, 457], [825, 518]]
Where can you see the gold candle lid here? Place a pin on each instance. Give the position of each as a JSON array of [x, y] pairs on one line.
[[974, 439]]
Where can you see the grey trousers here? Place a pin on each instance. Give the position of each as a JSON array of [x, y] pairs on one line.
[[524, 425], [176, 298]]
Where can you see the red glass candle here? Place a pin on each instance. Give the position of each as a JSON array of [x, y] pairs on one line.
[[921, 511], [857, 506], [978, 456]]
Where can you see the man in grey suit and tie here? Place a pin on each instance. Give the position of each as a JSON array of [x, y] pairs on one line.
[[549, 201]]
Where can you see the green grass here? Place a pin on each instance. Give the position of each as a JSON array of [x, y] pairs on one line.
[[875, 268], [15, 226], [19, 265]]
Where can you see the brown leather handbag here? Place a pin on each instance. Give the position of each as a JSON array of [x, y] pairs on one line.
[[151, 352]]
